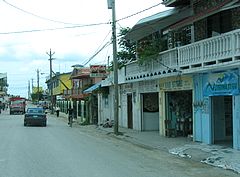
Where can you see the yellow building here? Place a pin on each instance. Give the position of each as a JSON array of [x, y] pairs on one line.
[[60, 82], [35, 90]]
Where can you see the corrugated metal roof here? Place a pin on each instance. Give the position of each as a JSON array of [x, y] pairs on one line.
[[157, 16], [157, 22], [92, 88]]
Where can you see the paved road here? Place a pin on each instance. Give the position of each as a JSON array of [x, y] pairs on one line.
[[60, 151]]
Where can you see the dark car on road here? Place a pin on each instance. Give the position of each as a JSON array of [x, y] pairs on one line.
[[35, 116]]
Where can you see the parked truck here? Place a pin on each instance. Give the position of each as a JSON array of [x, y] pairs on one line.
[[17, 105]]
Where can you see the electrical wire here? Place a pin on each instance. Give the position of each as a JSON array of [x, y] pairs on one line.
[[69, 27], [53, 29], [103, 47], [43, 18], [139, 12], [100, 44]]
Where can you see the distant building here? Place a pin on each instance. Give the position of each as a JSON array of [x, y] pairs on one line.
[[3, 84]]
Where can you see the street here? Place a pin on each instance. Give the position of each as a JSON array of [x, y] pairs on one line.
[[60, 151]]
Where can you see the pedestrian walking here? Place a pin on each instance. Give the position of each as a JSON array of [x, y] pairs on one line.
[[57, 111], [0, 107], [70, 114]]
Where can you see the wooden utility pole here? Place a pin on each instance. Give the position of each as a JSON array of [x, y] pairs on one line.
[[29, 92], [111, 5], [50, 54], [32, 88], [38, 85]]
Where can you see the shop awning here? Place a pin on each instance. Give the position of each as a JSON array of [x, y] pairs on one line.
[[157, 22], [92, 88]]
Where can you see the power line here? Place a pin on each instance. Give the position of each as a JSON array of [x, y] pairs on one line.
[[74, 26], [100, 44], [139, 12], [53, 29], [103, 47], [30, 13]]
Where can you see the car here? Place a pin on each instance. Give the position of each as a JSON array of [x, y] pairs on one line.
[[35, 116]]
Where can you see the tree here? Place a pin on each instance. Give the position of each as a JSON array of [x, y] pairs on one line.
[[127, 50], [35, 97]]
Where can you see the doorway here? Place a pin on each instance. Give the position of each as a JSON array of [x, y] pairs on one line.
[[222, 120], [179, 113], [150, 111], [129, 111]]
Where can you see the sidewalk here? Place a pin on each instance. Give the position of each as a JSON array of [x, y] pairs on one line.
[[215, 155]]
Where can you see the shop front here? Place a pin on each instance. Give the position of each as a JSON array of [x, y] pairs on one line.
[[217, 108], [176, 113]]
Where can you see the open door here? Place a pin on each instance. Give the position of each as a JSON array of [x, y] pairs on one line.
[[222, 122], [129, 111]]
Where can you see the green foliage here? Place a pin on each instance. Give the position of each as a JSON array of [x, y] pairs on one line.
[[127, 50], [149, 49], [34, 96]]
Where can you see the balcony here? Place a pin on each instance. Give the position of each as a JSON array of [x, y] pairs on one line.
[[73, 93], [166, 64], [220, 51], [217, 50]]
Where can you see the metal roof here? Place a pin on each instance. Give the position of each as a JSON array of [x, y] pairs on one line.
[[159, 21], [92, 88]]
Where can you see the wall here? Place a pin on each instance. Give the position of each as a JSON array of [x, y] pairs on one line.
[[136, 89], [105, 106], [202, 113], [236, 122], [66, 80]]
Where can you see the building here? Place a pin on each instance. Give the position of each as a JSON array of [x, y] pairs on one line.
[[3, 84], [85, 105], [59, 82], [190, 87]]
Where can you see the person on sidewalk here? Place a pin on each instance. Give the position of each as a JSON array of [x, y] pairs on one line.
[[57, 111], [0, 107], [70, 114]]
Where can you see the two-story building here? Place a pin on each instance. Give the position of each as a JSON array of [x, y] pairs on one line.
[[3, 84], [84, 104], [191, 88], [58, 83]]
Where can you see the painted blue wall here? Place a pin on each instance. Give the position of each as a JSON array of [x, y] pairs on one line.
[[202, 114], [236, 122], [202, 122]]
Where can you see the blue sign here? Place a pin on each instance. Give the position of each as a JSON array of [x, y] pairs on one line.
[[222, 83]]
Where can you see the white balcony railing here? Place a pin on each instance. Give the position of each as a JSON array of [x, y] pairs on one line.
[[210, 51], [165, 63], [217, 50]]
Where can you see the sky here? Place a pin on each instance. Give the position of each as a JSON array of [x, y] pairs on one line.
[[73, 29]]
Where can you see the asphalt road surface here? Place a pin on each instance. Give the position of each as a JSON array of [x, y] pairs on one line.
[[60, 151]]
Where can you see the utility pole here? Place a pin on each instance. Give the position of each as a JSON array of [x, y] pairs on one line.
[[29, 92], [32, 85], [111, 5], [50, 54], [38, 85]]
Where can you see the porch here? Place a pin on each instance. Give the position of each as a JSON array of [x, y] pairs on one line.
[[215, 52]]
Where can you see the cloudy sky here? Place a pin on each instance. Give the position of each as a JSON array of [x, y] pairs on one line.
[[29, 28]]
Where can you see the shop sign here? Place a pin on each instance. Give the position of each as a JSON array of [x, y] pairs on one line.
[[223, 83], [176, 83], [98, 71]]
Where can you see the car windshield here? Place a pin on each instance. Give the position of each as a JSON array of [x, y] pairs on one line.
[[17, 102], [35, 110]]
